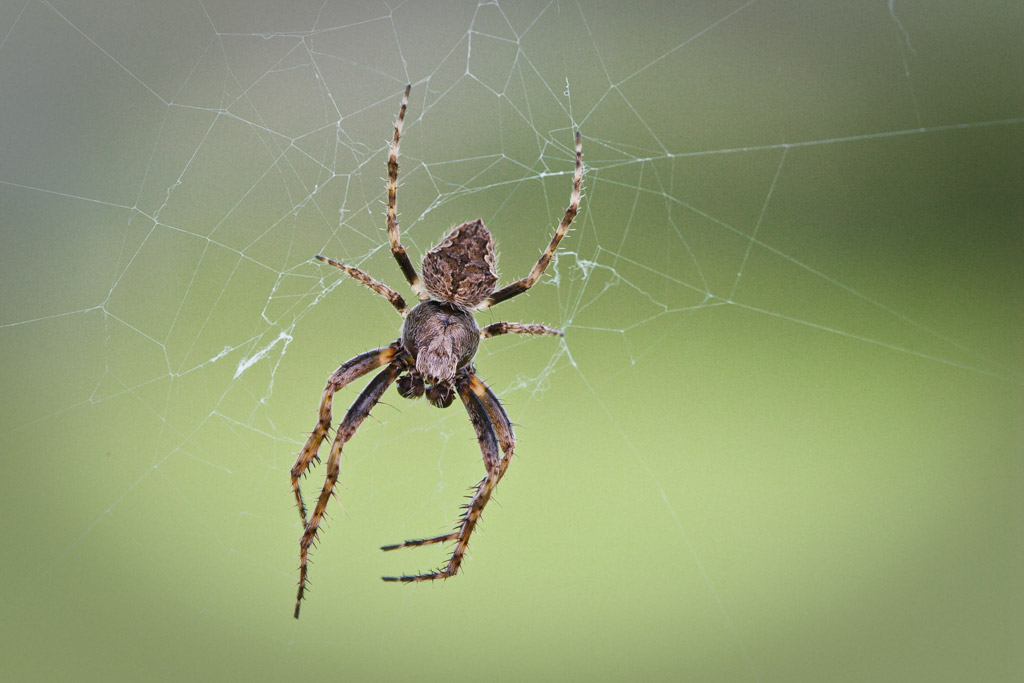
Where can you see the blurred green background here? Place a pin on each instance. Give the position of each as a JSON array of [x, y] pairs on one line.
[[781, 440]]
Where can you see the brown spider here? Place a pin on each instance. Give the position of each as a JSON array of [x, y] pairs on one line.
[[433, 356]]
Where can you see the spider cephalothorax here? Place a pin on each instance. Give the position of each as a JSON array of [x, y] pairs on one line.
[[433, 356], [442, 338]]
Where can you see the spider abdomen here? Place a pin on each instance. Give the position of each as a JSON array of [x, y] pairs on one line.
[[461, 269], [442, 338]]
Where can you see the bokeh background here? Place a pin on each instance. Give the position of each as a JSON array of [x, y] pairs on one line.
[[780, 441]]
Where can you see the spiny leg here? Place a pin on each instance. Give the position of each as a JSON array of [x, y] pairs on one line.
[[494, 329], [391, 295], [505, 436], [353, 418], [488, 438], [412, 543], [349, 371], [503, 433], [397, 249], [499, 418], [521, 286]]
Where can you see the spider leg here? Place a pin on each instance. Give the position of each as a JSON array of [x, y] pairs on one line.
[[349, 371], [530, 280], [494, 329], [493, 428], [408, 269], [499, 418], [412, 543], [353, 418], [391, 295]]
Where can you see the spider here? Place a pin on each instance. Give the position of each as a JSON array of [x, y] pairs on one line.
[[434, 357]]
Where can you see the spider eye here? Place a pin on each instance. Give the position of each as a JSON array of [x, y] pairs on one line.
[[440, 395], [410, 387]]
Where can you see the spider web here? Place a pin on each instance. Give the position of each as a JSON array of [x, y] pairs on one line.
[[783, 428]]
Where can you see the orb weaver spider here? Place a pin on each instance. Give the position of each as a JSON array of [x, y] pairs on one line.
[[434, 357]]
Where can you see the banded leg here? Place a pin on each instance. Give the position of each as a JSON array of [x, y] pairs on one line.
[[481, 404], [494, 329], [349, 371], [530, 280], [408, 269], [353, 418], [499, 418], [391, 295]]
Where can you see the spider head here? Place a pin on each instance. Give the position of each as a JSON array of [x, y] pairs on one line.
[[461, 269]]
